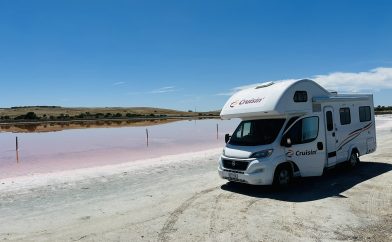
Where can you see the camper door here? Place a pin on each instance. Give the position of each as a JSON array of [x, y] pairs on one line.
[[330, 135], [304, 145]]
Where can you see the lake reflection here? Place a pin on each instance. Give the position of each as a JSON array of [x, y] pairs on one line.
[[78, 148], [60, 126]]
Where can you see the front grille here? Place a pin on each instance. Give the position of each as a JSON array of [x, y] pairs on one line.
[[235, 164]]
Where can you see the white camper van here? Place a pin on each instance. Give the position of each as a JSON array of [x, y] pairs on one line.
[[294, 128]]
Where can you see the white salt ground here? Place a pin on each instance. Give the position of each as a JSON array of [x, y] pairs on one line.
[[181, 198]]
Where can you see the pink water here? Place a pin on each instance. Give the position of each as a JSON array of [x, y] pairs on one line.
[[80, 148]]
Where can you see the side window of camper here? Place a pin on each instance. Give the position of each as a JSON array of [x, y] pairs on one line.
[[244, 130], [304, 131], [290, 122], [329, 120], [300, 96], [364, 114], [345, 117]]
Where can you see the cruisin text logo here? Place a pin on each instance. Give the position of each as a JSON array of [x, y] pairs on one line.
[[246, 101], [290, 153]]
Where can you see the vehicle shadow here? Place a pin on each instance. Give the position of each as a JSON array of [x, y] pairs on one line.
[[331, 184]]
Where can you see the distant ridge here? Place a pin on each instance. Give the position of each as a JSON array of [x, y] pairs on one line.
[[58, 113], [35, 107]]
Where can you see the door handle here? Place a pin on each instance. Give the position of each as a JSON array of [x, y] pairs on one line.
[[333, 134], [320, 146]]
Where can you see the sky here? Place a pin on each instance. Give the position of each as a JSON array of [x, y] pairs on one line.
[[188, 55]]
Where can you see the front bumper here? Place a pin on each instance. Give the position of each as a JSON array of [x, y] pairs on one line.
[[257, 173]]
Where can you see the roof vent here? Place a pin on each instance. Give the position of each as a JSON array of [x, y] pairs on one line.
[[333, 92], [266, 84]]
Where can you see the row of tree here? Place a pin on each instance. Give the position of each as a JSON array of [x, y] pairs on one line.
[[81, 116], [380, 108], [20, 107]]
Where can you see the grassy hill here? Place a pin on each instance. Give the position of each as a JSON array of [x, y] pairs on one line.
[[55, 113]]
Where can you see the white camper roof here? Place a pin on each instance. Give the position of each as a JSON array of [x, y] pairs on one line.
[[273, 99]]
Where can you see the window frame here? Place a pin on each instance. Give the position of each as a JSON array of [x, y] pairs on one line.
[[290, 122], [289, 132], [343, 119], [297, 98], [241, 129], [366, 108], [329, 120]]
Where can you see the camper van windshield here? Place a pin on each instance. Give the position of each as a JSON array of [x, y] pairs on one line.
[[256, 132]]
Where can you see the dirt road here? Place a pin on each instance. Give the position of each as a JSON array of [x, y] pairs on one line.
[[187, 201]]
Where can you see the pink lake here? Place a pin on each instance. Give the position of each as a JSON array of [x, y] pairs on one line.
[[80, 148]]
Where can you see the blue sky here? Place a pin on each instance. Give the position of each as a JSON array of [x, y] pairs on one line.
[[187, 54]]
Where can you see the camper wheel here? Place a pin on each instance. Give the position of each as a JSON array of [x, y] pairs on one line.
[[283, 175], [354, 159]]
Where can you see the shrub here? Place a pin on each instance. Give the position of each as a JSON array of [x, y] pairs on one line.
[[99, 115], [31, 115]]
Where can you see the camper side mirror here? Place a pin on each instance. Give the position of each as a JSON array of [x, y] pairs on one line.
[[227, 137], [286, 141]]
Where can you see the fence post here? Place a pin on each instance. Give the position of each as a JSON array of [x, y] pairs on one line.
[[147, 136], [17, 149]]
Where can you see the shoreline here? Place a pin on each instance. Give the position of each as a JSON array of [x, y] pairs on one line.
[[107, 119], [39, 126], [35, 180]]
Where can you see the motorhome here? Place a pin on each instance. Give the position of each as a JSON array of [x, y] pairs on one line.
[[294, 128]]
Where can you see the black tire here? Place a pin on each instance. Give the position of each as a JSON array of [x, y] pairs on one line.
[[353, 160], [283, 176]]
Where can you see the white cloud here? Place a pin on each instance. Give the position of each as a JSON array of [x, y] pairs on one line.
[[161, 90], [373, 80], [118, 83], [164, 90], [236, 89]]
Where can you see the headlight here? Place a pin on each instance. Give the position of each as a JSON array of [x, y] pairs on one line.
[[262, 154]]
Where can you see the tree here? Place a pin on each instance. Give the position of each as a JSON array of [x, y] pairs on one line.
[[31, 115], [99, 115], [81, 115]]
